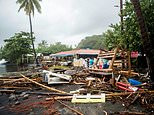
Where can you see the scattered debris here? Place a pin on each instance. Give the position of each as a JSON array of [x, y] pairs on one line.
[[114, 84]]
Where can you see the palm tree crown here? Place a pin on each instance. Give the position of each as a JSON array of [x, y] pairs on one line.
[[29, 6]]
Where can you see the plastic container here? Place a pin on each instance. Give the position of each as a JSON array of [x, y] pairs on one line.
[[134, 82]]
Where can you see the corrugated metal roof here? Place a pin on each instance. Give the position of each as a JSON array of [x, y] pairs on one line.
[[79, 51]]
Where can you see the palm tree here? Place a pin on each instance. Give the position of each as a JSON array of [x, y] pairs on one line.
[[147, 44], [29, 6]]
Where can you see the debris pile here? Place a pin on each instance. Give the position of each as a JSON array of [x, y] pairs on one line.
[[89, 85]]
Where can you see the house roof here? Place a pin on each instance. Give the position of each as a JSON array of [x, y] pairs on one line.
[[79, 51]]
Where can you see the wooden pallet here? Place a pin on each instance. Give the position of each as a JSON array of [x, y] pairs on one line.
[[88, 98]]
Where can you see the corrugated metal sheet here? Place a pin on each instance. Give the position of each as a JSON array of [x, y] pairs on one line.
[[80, 51]]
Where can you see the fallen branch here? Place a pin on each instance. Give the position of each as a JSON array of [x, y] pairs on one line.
[[46, 87], [79, 113]]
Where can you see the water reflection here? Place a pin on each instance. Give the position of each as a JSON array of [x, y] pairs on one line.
[[8, 68]]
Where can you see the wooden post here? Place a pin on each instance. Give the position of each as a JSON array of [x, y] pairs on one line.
[[129, 63], [112, 61]]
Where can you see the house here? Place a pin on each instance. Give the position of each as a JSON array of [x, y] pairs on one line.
[[76, 56], [79, 53]]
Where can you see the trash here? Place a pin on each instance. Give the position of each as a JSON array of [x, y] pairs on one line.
[[25, 96], [49, 88], [91, 85], [12, 97], [78, 91], [56, 78], [17, 103], [134, 82], [126, 87]]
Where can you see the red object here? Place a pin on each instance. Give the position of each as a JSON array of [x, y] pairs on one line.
[[134, 54], [125, 87], [100, 66]]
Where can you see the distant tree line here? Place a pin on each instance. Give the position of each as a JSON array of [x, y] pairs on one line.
[[20, 45], [44, 47]]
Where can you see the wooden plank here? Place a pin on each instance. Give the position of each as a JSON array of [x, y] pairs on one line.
[[59, 98], [101, 73], [13, 87], [102, 70], [106, 54], [112, 61], [127, 93], [46, 87], [129, 63], [106, 57], [127, 73], [7, 91]]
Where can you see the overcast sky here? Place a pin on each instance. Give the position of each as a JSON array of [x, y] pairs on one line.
[[66, 21]]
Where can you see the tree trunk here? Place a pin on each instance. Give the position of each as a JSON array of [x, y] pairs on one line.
[[31, 35], [147, 44]]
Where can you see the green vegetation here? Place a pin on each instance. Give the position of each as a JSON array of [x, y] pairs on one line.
[[43, 47], [91, 42], [15, 47]]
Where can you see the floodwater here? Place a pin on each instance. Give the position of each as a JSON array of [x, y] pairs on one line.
[[4, 68]]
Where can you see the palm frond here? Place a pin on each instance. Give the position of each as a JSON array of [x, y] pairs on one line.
[[37, 5], [22, 5], [20, 1], [26, 8], [31, 6]]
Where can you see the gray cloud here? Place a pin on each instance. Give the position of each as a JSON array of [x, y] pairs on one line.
[[67, 21]]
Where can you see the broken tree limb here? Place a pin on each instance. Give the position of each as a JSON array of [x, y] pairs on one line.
[[72, 109], [46, 87]]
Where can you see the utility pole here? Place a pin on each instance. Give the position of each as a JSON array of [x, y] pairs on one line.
[[121, 15]]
